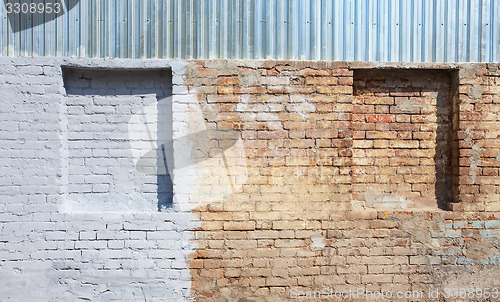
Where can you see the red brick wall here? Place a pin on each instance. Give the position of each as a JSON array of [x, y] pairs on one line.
[[334, 152]]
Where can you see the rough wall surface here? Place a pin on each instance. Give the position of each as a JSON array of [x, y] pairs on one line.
[[53, 249], [349, 168], [287, 177]]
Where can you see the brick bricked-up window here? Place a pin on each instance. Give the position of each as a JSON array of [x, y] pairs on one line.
[[403, 138]]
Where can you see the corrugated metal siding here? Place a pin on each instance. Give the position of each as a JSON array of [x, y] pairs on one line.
[[340, 30]]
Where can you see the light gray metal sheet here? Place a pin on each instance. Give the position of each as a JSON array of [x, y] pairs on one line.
[[339, 30]]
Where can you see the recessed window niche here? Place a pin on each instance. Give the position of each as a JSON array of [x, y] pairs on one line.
[[118, 140]]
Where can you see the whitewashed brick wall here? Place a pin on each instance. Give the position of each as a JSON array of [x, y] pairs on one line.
[[53, 151]]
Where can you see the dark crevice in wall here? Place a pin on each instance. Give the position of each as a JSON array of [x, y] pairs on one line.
[[455, 150]]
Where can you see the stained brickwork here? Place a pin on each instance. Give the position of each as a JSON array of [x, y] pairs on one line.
[[333, 151], [478, 138], [273, 182]]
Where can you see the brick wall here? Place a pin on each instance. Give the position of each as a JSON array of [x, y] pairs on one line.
[[288, 177], [350, 172], [478, 138], [60, 240]]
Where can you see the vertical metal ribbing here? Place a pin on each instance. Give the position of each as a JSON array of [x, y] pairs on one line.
[[483, 30], [278, 42], [110, 26], [246, 34], [494, 38], [222, 38], [138, 14], [358, 41], [425, 36], [199, 27], [461, 23], [151, 34], [418, 38], [103, 38], [292, 30], [177, 30], [235, 30], [365, 30], [305, 42], [368, 30], [35, 35], [3, 32], [377, 31], [404, 31], [190, 32], [315, 35], [257, 34], [211, 34], [452, 41], [128, 15], [82, 52], [327, 31], [388, 54], [438, 32], [467, 29]]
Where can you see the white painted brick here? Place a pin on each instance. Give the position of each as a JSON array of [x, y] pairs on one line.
[[164, 263], [90, 244], [29, 70], [137, 235], [41, 80], [52, 70], [38, 118], [139, 226], [116, 244], [60, 235], [140, 244], [180, 89], [86, 235], [179, 264], [13, 256], [172, 245], [112, 264], [147, 264]]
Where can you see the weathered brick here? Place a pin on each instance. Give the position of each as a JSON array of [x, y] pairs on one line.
[[320, 142], [239, 225]]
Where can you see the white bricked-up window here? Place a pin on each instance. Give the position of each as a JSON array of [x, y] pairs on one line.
[[118, 144]]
